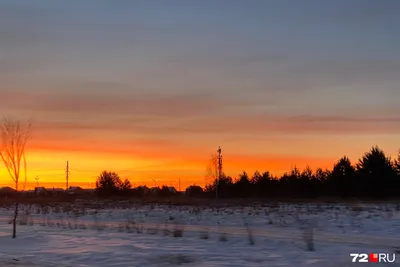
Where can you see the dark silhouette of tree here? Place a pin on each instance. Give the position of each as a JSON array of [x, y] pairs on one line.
[[194, 191], [291, 182], [256, 178], [125, 187], [140, 191], [396, 184], [322, 178], [308, 183], [307, 174], [322, 175], [376, 173], [343, 178], [108, 183], [13, 142], [167, 191], [264, 184], [212, 171], [397, 163], [225, 186], [242, 187]]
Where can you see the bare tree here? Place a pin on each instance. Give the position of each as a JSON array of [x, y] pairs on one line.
[[212, 172], [14, 138]]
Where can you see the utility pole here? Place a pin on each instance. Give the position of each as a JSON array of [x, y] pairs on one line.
[[179, 184], [37, 181], [67, 175], [219, 170]]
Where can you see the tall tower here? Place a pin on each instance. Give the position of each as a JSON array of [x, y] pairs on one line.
[[219, 162], [67, 176], [219, 170]]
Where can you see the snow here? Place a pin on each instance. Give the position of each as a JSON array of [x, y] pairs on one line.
[[144, 235]]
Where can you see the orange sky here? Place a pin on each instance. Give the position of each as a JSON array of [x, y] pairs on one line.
[[159, 163]]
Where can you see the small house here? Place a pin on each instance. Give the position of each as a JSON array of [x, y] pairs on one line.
[[57, 191], [7, 191], [72, 190], [40, 191]]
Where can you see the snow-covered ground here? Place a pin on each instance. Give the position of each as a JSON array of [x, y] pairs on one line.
[[274, 235]]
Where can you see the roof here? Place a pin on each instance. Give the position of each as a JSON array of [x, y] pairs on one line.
[[7, 188], [75, 188], [57, 190], [40, 189]]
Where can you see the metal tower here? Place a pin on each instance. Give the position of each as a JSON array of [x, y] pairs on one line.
[[219, 170], [219, 162], [67, 176]]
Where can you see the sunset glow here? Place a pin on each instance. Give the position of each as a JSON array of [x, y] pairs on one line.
[[151, 90]]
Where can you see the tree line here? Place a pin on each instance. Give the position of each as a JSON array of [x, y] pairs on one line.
[[375, 175]]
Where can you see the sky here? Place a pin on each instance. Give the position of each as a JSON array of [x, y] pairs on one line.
[[150, 89]]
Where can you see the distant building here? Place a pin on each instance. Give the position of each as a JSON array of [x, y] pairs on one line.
[[57, 191], [40, 191], [29, 192], [7, 191], [75, 190], [89, 190]]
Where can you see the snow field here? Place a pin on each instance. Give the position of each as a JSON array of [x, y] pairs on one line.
[[157, 235]]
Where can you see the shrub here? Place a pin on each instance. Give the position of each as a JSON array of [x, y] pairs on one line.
[[223, 237], [308, 237], [204, 235]]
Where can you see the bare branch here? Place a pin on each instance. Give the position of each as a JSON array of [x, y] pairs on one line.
[[14, 138], [212, 168], [12, 150]]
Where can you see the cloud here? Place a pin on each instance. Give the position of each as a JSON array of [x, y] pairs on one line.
[[108, 103], [291, 124], [203, 127], [366, 10], [344, 71]]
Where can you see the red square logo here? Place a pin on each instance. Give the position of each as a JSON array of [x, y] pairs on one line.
[[373, 257]]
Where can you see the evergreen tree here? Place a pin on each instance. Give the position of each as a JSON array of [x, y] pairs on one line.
[[376, 172], [397, 163], [343, 178]]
